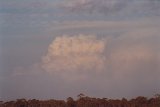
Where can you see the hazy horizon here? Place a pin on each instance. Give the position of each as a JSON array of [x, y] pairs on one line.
[[60, 48]]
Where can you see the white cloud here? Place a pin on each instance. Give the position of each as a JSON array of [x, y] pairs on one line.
[[79, 52], [134, 52]]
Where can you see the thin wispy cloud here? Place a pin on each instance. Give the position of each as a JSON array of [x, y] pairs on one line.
[[111, 7]]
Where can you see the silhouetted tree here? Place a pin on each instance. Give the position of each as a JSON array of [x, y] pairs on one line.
[[71, 102], [85, 101], [80, 95]]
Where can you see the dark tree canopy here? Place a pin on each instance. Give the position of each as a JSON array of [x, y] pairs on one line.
[[85, 101]]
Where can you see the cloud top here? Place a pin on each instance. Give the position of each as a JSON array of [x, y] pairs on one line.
[[79, 52]]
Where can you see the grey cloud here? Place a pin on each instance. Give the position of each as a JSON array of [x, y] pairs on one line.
[[131, 69], [131, 66], [111, 7]]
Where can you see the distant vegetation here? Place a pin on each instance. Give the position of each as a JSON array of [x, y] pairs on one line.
[[85, 101]]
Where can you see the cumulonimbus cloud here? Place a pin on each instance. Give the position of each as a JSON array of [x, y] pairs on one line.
[[79, 52], [115, 6], [129, 64], [125, 54]]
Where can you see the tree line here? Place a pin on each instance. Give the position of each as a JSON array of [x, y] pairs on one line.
[[85, 101]]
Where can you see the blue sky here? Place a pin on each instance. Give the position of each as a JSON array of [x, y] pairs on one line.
[[55, 49]]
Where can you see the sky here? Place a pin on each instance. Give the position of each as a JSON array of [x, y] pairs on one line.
[[54, 49]]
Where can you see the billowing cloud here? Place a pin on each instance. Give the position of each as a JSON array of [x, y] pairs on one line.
[[119, 59], [128, 65], [141, 7], [79, 52], [133, 53]]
